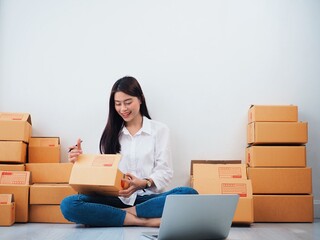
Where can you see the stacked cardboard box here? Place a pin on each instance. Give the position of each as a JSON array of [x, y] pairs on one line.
[[7, 209], [17, 183], [50, 180], [225, 177], [15, 132], [45, 202], [276, 159]]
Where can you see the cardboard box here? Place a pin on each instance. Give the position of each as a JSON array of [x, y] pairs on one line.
[[281, 180], [242, 187], [7, 210], [21, 198], [97, 174], [44, 150], [219, 169], [46, 214], [17, 183], [6, 198], [283, 208], [12, 167], [13, 152], [15, 126], [50, 172], [244, 211], [276, 156], [273, 113], [50, 193], [277, 133]]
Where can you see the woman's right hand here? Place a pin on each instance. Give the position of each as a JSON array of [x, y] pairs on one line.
[[75, 151]]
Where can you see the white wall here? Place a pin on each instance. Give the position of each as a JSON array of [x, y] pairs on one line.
[[200, 63]]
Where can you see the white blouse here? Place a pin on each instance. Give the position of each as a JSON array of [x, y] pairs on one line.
[[147, 154]]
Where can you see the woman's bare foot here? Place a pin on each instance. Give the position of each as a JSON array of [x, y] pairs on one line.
[[132, 220]]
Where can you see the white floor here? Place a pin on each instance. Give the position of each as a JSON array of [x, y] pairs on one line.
[[260, 231]]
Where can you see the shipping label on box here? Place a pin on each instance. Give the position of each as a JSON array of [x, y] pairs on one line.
[[15, 177], [273, 113], [97, 174], [44, 150], [15, 126], [242, 187]]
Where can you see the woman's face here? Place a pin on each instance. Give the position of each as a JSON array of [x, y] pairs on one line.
[[128, 107]]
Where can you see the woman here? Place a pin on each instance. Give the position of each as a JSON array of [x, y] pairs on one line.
[[146, 160]]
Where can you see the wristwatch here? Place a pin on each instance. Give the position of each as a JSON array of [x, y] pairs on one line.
[[148, 183]]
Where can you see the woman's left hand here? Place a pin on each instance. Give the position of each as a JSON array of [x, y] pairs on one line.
[[134, 185]]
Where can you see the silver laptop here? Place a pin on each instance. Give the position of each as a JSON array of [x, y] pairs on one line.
[[196, 217]]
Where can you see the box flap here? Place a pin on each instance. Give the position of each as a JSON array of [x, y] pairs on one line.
[[44, 142], [212, 162], [6, 198], [24, 117], [98, 160]]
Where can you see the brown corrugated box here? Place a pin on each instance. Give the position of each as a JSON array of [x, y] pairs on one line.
[[276, 156], [12, 167], [13, 152], [15, 126], [17, 183], [273, 113], [44, 150], [50, 172], [7, 210], [283, 208], [46, 214], [277, 133], [281, 180], [50, 193], [207, 179], [97, 174]]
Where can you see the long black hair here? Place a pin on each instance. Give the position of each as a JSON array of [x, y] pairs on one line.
[[109, 142]]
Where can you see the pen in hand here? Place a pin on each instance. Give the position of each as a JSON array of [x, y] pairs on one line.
[[70, 149]]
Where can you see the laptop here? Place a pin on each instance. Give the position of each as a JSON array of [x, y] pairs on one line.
[[196, 217]]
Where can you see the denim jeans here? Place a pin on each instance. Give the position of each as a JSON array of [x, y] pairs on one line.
[[107, 210]]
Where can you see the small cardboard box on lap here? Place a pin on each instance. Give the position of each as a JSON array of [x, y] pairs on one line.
[[97, 174]]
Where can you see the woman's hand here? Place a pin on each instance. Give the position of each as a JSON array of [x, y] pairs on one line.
[[134, 185], [75, 151]]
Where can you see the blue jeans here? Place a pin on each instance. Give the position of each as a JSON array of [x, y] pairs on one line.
[[107, 210]]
